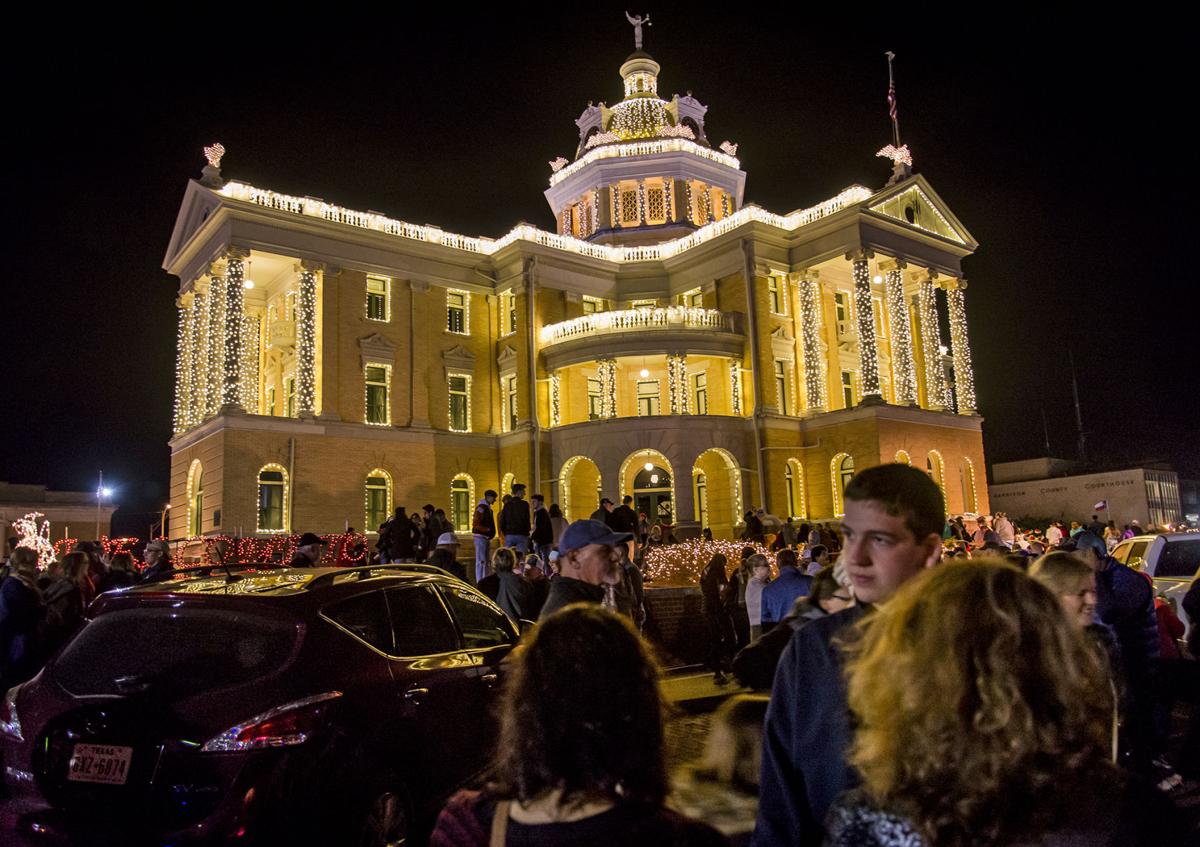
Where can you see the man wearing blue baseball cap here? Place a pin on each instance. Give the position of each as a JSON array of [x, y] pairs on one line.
[[589, 554]]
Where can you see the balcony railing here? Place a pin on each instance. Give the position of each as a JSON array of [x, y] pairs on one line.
[[672, 317]]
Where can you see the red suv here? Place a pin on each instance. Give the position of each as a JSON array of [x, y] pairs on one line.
[[328, 705]]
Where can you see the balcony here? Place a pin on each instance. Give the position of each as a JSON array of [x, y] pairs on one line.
[[640, 332]]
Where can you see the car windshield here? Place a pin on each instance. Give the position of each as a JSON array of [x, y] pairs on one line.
[[1179, 559], [172, 653]]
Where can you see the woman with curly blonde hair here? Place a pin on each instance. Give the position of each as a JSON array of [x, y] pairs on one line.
[[983, 717]]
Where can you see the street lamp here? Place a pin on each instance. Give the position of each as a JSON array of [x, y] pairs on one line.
[[101, 493]]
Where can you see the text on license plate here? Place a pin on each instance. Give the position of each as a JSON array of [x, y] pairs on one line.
[[100, 763]]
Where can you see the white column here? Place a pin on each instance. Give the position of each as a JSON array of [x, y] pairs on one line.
[[215, 342], [864, 312], [231, 399], [183, 368], [815, 366], [608, 388], [931, 344], [960, 346], [306, 341], [903, 361]]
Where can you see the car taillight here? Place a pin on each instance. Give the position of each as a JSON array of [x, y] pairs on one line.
[[10, 721], [283, 726]]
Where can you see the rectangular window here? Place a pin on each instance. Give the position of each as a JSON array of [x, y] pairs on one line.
[[460, 402], [777, 294], [271, 401], [694, 299], [510, 402], [647, 397], [594, 402], [847, 389], [289, 305], [841, 306], [508, 313], [656, 208], [782, 391], [378, 410], [629, 206], [592, 305], [270, 501], [379, 299], [289, 395], [700, 393], [456, 311]]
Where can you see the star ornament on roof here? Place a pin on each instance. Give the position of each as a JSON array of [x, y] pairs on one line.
[[214, 154], [899, 155]]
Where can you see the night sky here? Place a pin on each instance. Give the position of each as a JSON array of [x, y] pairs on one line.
[[1059, 142]]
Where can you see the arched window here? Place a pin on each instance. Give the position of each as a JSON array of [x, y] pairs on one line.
[[841, 470], [462, 495], [272, 499], [903, 458], [701, 482], [506, 484], [797, 502], [936, 468], [970, 500], [378, 499], [195, 488]]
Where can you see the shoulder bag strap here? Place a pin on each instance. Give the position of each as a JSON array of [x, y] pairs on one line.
[[500, 824]]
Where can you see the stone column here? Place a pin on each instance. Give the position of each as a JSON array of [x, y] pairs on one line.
[[815, 366], [931, 343], [735, 386], [604, 211], [306, 341], [864, 313], [903, 362], [183, 368], [960, 346], [677, 382], [231, 392], [608, 388]]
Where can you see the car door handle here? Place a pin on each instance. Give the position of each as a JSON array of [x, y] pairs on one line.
[[415, 694], [490, 679]]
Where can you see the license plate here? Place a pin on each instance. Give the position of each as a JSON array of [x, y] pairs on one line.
[[100, 763]]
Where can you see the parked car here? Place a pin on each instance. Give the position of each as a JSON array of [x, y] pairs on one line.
[[1172, 560], [297, 706]]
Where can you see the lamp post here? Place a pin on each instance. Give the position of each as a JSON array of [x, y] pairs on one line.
[[162, 523], [101, 492]]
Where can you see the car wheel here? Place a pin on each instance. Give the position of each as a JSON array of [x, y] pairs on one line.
[[385, 820]]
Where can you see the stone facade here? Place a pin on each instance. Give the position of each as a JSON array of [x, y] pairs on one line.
[[725, 360]]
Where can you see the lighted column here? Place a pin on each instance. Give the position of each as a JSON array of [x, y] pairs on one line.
[[931, 344], [214, 341], [608, 388], [735, 385], [864, 313], [555, 399], [903, 362], [231, 392], [183, 369], [960, 346], [306, 341], [814, 358], [677, 382]]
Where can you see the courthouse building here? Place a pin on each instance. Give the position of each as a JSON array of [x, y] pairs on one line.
[[665, 340]]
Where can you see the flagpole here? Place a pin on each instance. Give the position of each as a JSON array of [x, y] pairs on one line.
[[892, 100]]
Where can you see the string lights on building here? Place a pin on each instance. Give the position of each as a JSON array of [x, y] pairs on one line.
[[555, 404], [814, 361], [608, 388], [931, 345], [668, 197], [250, 345], [964, 379], [183, 369], [234, 303], [904, 365], [199, 365], [735, 385], [306, 343], [216, 344], [691, 203], [864, 311]]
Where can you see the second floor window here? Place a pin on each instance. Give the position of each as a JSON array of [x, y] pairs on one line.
[[510, 402], [456, 312], [289, 395], [378, 306], [700, 393], [508, 313], [647, 397], [271, 401], [377, 378], [460, 406], [592, 305], [595, 405], [693, 299], [777, 295], [847, 389], [841, 311], [781, 386]]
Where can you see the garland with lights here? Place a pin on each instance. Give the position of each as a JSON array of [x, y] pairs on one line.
[[683, 562], [595, 211], [691, 205], [183, 368], [864, 309], [196, 400], [215, 344], [35, 537], [673, 382], [964, 379], [250, 343], [902, 346], [608, 387], [641, 190], [735, 385], [555, 389], [668, 190], [234, 309], [814, 362], [931, 344], [306, 343]]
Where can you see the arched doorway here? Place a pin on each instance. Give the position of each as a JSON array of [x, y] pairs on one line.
[[579, 488], [649, 477], [722, 491]]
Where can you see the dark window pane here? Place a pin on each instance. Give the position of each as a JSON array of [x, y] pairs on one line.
[[482, 624], [458, 411], [1179, 559], [420, 623], [366, 616]]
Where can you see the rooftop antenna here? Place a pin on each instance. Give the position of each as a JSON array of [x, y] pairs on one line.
[[1078, 413], [899, 153]]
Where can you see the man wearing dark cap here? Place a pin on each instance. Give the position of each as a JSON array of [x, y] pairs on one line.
[[604, 512], [308, 551], [589, 555]]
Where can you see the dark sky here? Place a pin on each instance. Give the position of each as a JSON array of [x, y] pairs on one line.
[[1060, 142]]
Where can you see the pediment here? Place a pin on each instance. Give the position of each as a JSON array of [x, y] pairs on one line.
[[376, 349], [507, 360], [914, 203], [783, 346], [458, 358], [199, 204]]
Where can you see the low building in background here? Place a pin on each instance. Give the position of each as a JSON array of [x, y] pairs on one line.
[[1060, 489], [666, 341], [72, 514]]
